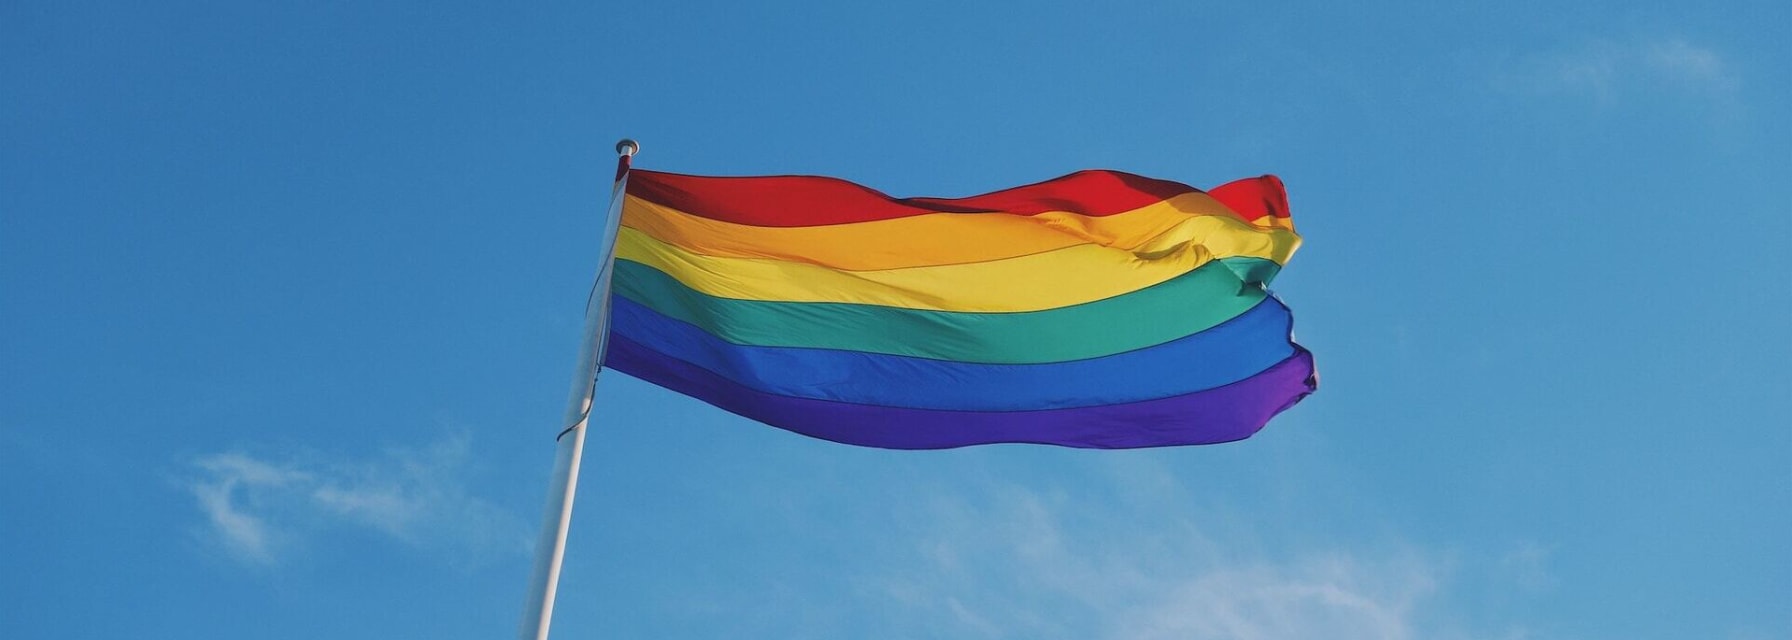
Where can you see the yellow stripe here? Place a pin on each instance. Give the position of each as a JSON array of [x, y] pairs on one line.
[[1274, 222], [956, 238], [1062, 277]]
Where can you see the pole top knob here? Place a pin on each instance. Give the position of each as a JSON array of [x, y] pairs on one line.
[[627, 147]]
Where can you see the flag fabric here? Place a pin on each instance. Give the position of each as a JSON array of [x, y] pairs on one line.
[[1100, 309]]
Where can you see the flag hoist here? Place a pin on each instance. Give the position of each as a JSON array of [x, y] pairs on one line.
[[594, 340]]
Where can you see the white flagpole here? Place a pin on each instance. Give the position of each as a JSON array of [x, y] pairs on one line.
[[538, 612]]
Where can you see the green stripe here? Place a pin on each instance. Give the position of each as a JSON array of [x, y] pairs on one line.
[[1189, 303]]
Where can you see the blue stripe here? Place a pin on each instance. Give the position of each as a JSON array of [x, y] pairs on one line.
[[1223, 354]]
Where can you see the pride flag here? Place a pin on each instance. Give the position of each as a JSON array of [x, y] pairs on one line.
[[1100, 309]]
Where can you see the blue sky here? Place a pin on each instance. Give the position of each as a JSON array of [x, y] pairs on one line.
[[291, 291]]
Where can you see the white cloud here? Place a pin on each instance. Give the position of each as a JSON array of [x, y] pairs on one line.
[[1024, 564], [1593, 69], [1332, 597], [1612, 70], [1528, 566], [244, 535], [256, 507], [1696, 67], [241, 468]]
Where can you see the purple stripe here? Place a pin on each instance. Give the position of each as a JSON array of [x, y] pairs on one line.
[[1223, 414]]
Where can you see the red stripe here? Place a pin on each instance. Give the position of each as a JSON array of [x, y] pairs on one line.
[[798, 201], [1254, 198], [1091, 193], [622, 163]]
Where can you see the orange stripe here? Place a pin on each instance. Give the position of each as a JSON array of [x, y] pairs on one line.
[[935, 239]]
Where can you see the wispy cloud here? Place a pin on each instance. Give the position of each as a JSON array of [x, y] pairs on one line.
[[1696, 67], [1337, 596], [245, 535], [255, 508], [1527, 565], [1020, 564], [1611, 70]]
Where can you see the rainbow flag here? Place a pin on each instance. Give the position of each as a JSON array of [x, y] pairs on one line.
[[1100, 309]]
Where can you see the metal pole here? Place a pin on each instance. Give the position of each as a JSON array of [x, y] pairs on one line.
[[538, 612]]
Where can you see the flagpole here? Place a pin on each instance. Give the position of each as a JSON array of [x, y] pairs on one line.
[[538, 612]]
